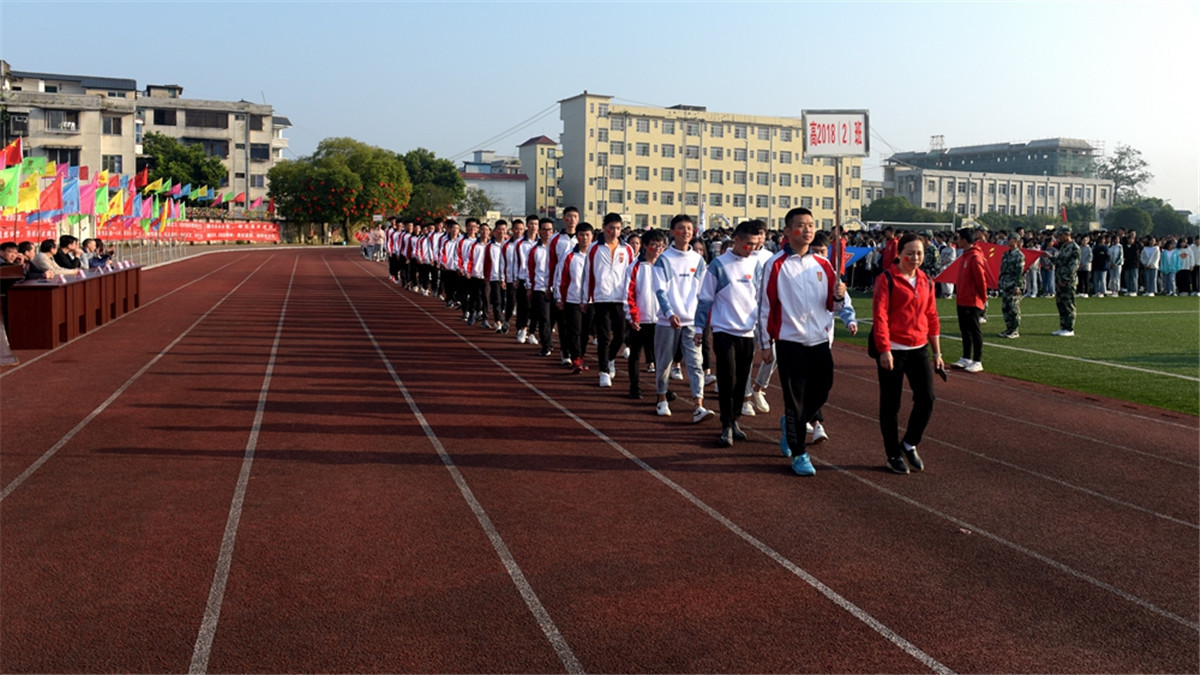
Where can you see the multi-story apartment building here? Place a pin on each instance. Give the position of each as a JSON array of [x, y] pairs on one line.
[[99, 122], [975, 193], [1048, 156], [541, 160], [652, 163]]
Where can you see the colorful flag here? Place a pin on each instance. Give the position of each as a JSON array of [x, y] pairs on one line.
[[63, 171], [143, 178], [87, 197], [240, 199], [51, 169], [1064, 213], [218, 199], [183, 211], [175, 189], [70, 195], [186, 190], [155, 186], [135, 206], [114, 181], [10, 183], [101, 198], [33, 166], [11, 154], [51, 198], [992, 255], [166, 186], [147, 209], [116, 203], [255, 204]]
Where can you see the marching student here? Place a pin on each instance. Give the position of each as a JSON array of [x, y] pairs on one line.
[[560, 245], [462, 263], [508, 254], [815, 426], [641, 307], [728, 302], [520, 272], [478, 285], [494, 276], [679, 271], [572, 301], [540, 297], [608, 261], [800, 294], [756, 388]]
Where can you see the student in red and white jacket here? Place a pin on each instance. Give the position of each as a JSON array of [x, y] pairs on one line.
[[608, 261], [538, 287], [800, 294], [508, 254], [905, 327], [518, 274], [970, 297], [560, 245], [641, 306], [572, 301], [495, 277]]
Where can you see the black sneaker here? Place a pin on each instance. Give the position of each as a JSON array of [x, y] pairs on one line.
[[897, 465], [671, 396], [914, 460], [726, 437], [635, 393], [738, 434]]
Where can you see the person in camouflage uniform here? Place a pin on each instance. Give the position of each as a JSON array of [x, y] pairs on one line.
[[930, 266], [1012, 286], [1066, 262]]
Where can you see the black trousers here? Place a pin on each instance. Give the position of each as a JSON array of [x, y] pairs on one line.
[[913, 364], [393, 266], [572, 329], [733, 357], [521, 303], [972, 334], [497, 298], [539, 318], [805, 376], [641, 343], [608, 321]]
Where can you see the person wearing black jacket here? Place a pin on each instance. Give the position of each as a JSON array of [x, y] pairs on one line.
[[1129, 271], [68, 253], [1100, 266]]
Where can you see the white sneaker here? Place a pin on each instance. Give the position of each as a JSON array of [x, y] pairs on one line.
[[818, 433], [1064, 333], [521, 336], [676, 373], [700, 414], [663, 409], [605, 380], [748, 409], [759, 399], [1149, 295], [612, 368], [593, 341], [983, 319], [808, 428], [709, 379], [974, 367], [1082, 295], [566, 361], [961, 363], [531, 339], [650, 368], [488, 324], [625, 352]]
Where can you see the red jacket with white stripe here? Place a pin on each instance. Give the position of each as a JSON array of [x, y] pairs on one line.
[[797, 299], [570, 289], [605, 274], [641, 304]]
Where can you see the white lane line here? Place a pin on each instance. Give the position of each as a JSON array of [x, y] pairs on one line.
[[1084, 314], [540, 614], [16, 482], [216, 592], [1049, 428], [9, 371], [1046, 477], [1108, 364], [832, 595]]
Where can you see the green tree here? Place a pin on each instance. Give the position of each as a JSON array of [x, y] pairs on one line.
[[476, 202], [429, 202], [182, 164], [1131, 218], [1127, 170], [1169, 221], [436, 181], [1080, 215]]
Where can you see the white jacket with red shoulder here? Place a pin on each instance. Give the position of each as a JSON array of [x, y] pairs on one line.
[[798, 302]]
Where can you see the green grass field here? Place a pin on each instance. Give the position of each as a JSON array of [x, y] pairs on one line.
[[1159, 336]]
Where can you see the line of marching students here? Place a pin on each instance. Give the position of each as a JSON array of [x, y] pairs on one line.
[[652, 295]]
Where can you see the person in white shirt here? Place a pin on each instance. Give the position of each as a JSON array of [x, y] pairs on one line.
[[495, 278], [538, 288], [520, 271], [477, 295], [641, 307], [679, 273], [728, 303], [608, 261], [572, 300], [756, 389], [1150, 259], [800, 294], [560, 245]]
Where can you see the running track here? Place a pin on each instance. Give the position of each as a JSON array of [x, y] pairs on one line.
[[283, 463]]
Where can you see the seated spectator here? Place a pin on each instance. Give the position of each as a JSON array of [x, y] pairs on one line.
[[44, 266], [67, 256], [100, 256]]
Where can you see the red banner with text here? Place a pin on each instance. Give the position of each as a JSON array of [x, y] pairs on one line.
[[17, 229]]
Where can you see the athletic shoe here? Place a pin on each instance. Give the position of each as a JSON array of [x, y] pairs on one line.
[[566, 361], [1082, 295], [914, 460], [759, 398], [663, 409], [594, 341], [709, 379], [808, 428], [897, 465], [700, 414], [471, 321], [605, 380], [650, 368], [530, 338], [676, 373], [819, 435], [635, 393], [521, 336], [671, 396], [500, 329], [1010, 334], [504, 327], [974, 367], [577, 367], [747, 409], [726, 437], [783, 442], [802, 465], [612, 368], [738, 434], [961, 363], [544, 353], [488, 324], [983, 319], [1064, 333], [1148, 295], [624, 352]]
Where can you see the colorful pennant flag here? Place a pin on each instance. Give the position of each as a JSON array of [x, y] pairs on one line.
[[11, 154], [51, 198], [10, 183], [155, 186]]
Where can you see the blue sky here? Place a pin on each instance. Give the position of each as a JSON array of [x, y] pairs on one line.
[[450, 76]]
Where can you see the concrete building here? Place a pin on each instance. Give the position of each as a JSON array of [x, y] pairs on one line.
[[652, 163], [487, 161], [969, 193], [99, 122], [542, 160], [506, 190], [1049, 156], [875, 189]]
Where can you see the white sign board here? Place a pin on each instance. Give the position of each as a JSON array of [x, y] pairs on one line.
[[377, 218], [836, 133]]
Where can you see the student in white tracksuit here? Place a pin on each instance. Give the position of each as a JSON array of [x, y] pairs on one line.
[[679, 273]]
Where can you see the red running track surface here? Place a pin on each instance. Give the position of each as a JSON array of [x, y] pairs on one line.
[[284, 463]]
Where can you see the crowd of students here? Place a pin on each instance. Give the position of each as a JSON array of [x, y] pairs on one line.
[[698, 308]]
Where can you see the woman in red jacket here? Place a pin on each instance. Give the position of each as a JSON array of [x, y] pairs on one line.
[[905, 324], [970, 296]]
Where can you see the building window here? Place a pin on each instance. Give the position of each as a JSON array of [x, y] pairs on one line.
[[714, 199], [785, 157], [764, 156], [260, 152], [992, 188], [68, 156], [62, 121], [617, 124], [739, 201], [643, 125], [785, 179], [691, 199], [602, 111], [1041, 190], [739, 131], [764, 133], [601, 159], [207, 119], [616, 172], [739, 177], [763, 178], [806, 202], [974, 188], [259, 180], [932, 206], [691, 151], [827, 223], [668, 150], [602, 136], [1089, 193], [550, 191], [641, 173], [716, 153], [1029, 192], [667, 174], [601, 183], [212, 148], [616, 196], [972, 209], [616, 147], [111, 126], [256, 122], [827, 202], [739, 154], [642, 149], [641, 197], [855, 172], [716, 130], [961, 209], [762, 201], [111, 163], [930, 185], [668, 127], [716, 177], [1079, 193], [962, 188], [1103, 193], [666, 198], [853, 193], [785, 202], [691, 175], [806, 180], [691, 128], [806, 160], [1004, 189], [827, 181]]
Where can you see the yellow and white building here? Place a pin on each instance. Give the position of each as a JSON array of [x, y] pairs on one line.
[[541, 160]]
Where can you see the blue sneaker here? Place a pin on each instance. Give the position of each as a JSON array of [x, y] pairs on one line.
[[802, 466], [783, 444]]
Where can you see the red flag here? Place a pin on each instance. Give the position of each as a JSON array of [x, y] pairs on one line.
[[143, 178], [1064, 213], [114, 182], [240, 199], [51, 198], [83, 174], [993, 254], [11, 154]]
